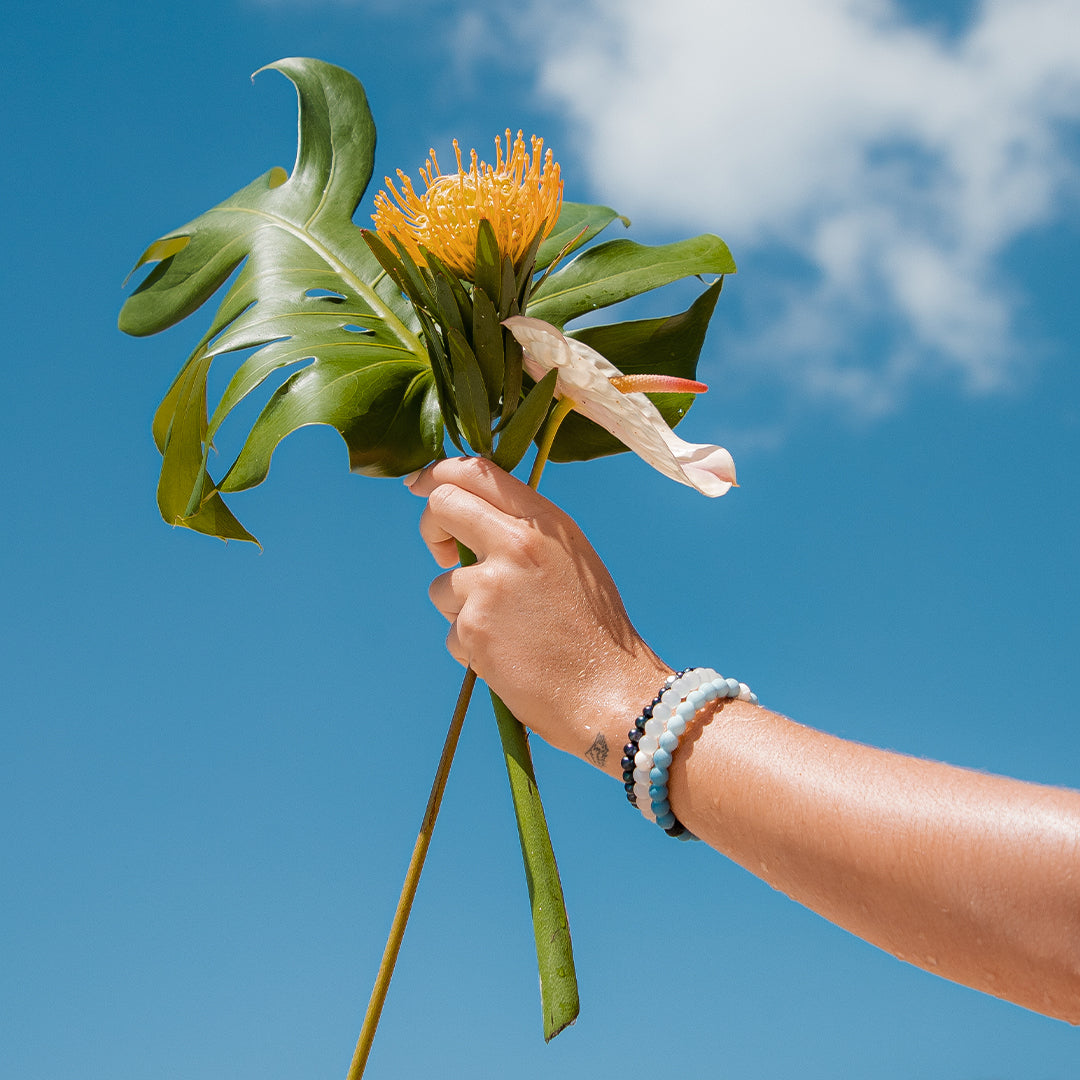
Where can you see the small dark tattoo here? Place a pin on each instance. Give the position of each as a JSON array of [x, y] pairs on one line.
[[598, 752]]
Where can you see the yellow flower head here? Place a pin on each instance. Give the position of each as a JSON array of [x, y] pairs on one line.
[[516, 196]]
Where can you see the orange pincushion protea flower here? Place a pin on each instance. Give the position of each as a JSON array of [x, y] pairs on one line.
[[516, 196]]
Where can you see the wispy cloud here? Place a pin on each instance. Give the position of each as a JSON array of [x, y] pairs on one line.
[[894, 162]]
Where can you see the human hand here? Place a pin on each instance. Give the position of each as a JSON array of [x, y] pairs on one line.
[[538, 616]]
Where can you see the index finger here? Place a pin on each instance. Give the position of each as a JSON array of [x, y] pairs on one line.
[[484, 479]]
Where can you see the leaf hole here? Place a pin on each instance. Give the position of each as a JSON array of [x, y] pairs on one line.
[[325, 294], [354, 329]]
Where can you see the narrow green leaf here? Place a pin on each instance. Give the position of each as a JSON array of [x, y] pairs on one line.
[[508, 288], [438, 269], [551, 929], [402, 270], [522, 277], [447, 307], [575, 218], [418, 288], [515, 438], [487, 343], [619, 269], [444, 377], [512, 372], [470, 394], [667, 346], [488, 273]]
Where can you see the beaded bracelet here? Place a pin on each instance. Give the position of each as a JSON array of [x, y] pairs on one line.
[[655, 737]]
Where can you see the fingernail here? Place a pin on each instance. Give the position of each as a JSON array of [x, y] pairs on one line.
[[412, 477]]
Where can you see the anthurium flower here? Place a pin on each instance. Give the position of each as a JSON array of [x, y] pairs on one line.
[[617, 403], [517, 196]]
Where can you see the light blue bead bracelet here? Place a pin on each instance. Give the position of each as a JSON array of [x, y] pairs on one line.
[[656, 738]]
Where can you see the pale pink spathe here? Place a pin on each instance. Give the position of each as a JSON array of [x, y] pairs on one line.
[[585, 378]]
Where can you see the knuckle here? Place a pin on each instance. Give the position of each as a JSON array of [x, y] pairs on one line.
[[443, 499]]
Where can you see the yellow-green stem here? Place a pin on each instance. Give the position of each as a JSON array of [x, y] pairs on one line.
[[412, 880], [547, 436]]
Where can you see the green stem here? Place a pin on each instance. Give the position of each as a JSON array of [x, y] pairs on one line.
[[412, 880], [554, 953]]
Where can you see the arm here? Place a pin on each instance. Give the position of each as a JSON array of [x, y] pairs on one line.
[[971, 876]]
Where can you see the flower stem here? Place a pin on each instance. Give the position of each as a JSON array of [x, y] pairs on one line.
[[412, 880], [563, 406]]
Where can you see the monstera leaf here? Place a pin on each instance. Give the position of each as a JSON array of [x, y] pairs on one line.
[[309, 291]]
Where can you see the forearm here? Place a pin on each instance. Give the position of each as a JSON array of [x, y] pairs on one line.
[[973, 877]]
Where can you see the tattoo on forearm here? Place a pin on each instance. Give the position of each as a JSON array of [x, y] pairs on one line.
[[598, 752]]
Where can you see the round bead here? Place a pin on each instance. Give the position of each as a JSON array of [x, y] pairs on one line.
[[642, 760], [677, 727], [733, 687], [666, 821], [629, 751], [710, 691], [658, 775], [695, 698], [657, 792], [661, 758], [654, 726], [668, 741], [628, 775], [641, 775], [686, 711], [627, 763], [662, 712], [648, 745], [671, 698]]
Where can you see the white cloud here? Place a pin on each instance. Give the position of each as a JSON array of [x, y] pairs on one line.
[[897, 161]]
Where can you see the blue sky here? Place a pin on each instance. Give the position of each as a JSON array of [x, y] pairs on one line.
[[213, 761]]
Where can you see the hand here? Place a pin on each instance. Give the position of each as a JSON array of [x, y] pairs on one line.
[[538, 616]]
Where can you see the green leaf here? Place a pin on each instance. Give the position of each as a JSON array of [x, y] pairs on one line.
[[512, 374], [619, 269], [309, 290], [551, 930], [578, 222], [471, 394], [389, 418], [525, 423], [488, 272], [666, 346], [444, 377], [183, 470], [487, 343]]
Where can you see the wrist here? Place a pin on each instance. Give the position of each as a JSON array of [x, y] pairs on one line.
[[614, 705]]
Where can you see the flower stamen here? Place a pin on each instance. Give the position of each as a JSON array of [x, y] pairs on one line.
[[520, 197]]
